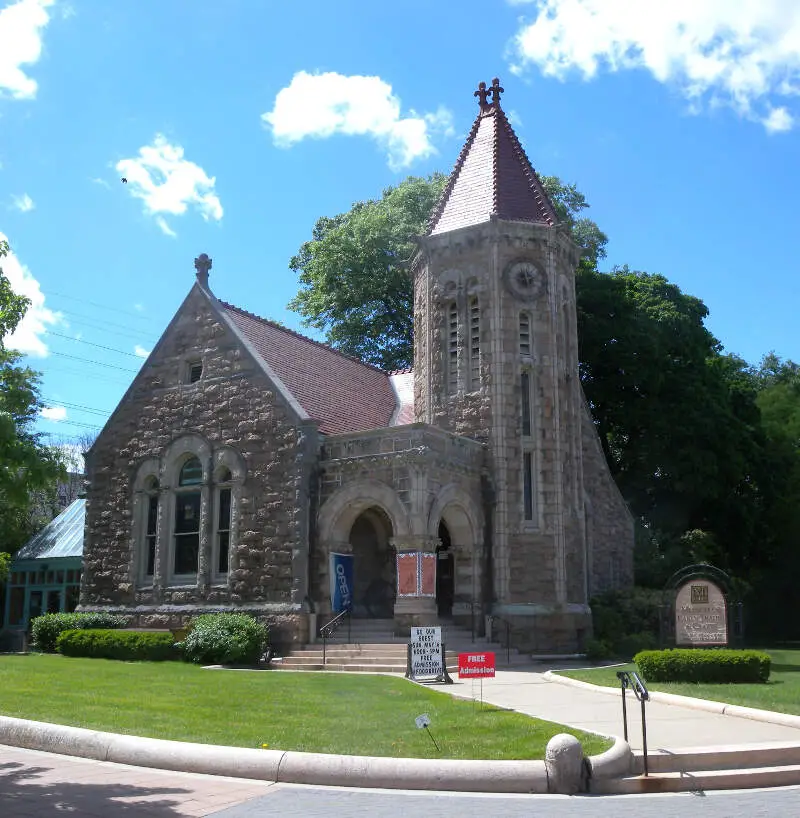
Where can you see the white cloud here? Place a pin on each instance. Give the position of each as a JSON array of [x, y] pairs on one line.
[[141, 351], [56, 413], [168, 183], [744, 54], [164, 227], [23, 203], [98, 181], [138, 307], [21, 26], [27, 336], [321, 105]]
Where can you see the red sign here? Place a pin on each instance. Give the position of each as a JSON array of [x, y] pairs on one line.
[[475, 665]]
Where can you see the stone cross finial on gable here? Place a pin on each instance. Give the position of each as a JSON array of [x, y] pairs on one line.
[[482, 94], [202, 264], [496, 91]]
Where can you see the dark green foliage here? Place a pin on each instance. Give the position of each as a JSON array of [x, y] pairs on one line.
[[45, 629], [718, 665], [625, 621], [226, 639], [129, 646]]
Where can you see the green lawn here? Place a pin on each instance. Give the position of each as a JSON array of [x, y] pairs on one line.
[[314, 712], [780, 693]]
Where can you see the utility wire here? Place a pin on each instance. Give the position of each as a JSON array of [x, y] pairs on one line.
[[91, 361], [77, 406], [92, 344], [95, 323], [102, 306], [82, 373]]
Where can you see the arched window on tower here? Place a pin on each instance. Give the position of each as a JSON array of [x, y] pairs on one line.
[[452, 348], [525, 345], [474, 344]]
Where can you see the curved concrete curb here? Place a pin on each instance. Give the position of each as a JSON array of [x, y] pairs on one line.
[[721, 708], [292, 767], [616, 762]]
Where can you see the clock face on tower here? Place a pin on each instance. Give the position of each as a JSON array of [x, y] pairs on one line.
[[525, 280]]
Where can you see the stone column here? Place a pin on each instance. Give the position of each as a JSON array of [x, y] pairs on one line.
[[415, 604]]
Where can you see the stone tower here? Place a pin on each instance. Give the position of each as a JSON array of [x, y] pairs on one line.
[[496, 359]]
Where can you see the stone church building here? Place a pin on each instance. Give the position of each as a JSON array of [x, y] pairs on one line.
[[244, 455]]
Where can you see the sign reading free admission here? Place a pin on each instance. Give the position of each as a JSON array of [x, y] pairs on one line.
[[476, 665], [426, 652]]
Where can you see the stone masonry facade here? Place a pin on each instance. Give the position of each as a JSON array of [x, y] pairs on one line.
[[245, 460]]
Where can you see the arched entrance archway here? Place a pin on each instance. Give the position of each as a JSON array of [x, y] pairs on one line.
[[445, 572], [374, 566]]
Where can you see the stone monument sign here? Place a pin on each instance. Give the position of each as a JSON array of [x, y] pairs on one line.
[[701, 614]]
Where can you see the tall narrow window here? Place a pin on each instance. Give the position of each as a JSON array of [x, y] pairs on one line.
[[527, 485], [150, 536], [223, 530], [525, 386], [474, 344], [525, 334], [452, 348], [187, 519]]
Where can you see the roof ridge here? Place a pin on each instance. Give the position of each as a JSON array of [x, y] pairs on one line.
[[300, 335], [546, 206], [448, 188]]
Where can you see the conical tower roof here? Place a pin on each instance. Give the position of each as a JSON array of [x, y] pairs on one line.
[[492, 177]]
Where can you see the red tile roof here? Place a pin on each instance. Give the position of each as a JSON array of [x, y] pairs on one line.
[[341, 393], [492, 177]]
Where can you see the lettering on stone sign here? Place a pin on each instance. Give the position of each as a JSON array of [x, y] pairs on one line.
[[700, 614]]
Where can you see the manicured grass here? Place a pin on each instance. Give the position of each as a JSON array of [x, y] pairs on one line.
[[314, 712], [781, 693]]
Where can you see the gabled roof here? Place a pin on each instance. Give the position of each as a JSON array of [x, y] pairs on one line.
[[492, 178], [341, 393], [61, 537]]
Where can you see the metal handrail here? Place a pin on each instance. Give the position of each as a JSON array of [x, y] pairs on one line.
[[631, 679], [327, 630], [505, 622]]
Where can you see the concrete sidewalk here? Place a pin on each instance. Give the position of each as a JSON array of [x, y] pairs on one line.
[[669, 726]]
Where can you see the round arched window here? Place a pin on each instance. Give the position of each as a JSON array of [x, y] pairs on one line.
[[191, 473]]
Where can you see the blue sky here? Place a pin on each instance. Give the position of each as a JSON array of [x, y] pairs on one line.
[[238, 124]]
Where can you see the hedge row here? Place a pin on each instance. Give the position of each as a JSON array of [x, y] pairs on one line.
[[698, 665], [115, 644], [45, 629]]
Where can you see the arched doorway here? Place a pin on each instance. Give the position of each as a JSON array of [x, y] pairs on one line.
[[445, 572], [374, 567]]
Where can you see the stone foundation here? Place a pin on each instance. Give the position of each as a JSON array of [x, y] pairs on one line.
[[286, 629], [545, 629]]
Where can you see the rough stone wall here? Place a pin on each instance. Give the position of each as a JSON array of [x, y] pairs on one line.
[[233, 405], [533, 559], [609, 524], [417, 464]]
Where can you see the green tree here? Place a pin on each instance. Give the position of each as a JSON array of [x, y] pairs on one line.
[[26, 464], [355, 283]]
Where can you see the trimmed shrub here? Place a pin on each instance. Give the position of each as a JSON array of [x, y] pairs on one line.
[[619, 618], [46, 629], [596, 650], [717, 665], [225, 639], [129, 646]]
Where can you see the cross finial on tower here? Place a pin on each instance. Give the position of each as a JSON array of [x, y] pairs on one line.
[[202, 264], [482, 94], [496, 91]]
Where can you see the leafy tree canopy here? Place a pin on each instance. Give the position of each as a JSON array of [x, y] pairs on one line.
[[26, 464]]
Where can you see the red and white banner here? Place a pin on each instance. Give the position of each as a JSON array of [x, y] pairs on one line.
[[475, 665]]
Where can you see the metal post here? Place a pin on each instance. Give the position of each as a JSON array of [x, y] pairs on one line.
[[644, 735], [624, 712], [324, 646], [508, 643], [349, 621]]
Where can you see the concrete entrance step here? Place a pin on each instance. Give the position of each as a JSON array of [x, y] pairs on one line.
[[778, 754], [743, 778]]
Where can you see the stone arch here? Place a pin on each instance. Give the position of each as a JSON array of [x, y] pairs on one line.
[[178, 452], [226, 457], [340, 511], [460, 513]]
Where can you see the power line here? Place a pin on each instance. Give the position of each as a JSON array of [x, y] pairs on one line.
[[101, 306], [91, 361], [82, 373], [95, 323], [77, 406], [71, 423], [91, 344]]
